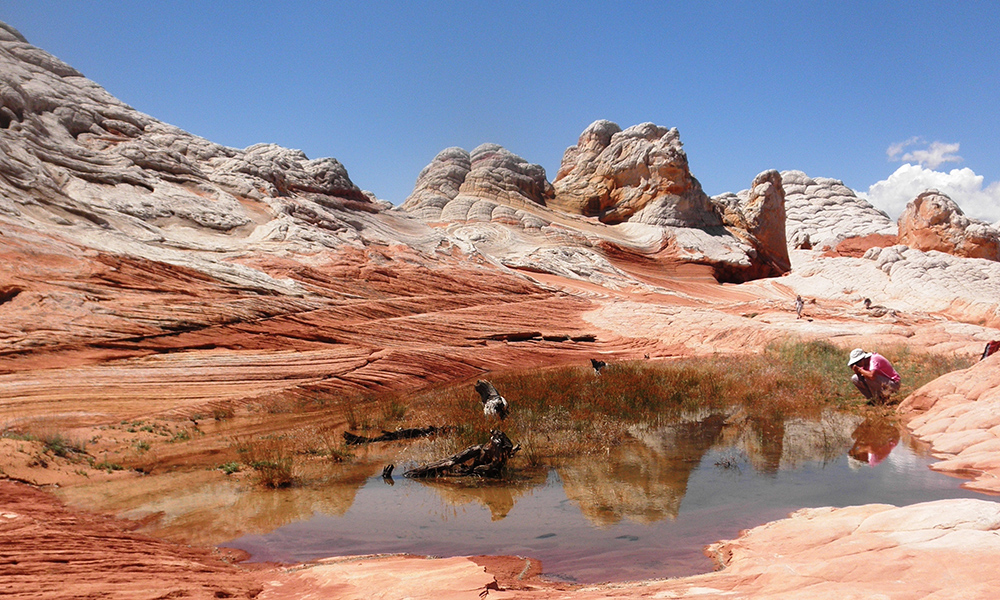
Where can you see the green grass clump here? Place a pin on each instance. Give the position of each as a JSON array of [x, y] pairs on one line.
[[230, 467], [59, 445]]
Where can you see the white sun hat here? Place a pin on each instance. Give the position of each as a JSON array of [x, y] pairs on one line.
[[857, 355]]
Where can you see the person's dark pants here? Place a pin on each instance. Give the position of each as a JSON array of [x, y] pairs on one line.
[[878, 389]]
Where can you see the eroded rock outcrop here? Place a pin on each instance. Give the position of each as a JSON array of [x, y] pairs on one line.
[[639, 174], [488, 184], [757, 216], [958, 414], [933, 221]]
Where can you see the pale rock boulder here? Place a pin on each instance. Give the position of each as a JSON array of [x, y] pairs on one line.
[[489, 184], [640, 174], [933, 221], [966, 289], [75, 159], [438, 184], [824, 211], [906, 280]]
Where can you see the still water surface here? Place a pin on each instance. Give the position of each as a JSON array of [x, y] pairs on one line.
[[642, 510]]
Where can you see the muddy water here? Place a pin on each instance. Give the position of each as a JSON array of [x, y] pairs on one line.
[[640, 510]]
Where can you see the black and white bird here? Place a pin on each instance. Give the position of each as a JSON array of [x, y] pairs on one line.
[[494, 405], [598, 365]]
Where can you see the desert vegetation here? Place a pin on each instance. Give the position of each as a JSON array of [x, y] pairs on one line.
[[571, 410]]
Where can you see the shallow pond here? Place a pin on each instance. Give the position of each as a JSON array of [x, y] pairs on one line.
[[641, 510]]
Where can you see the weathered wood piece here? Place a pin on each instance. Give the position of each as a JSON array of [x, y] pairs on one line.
[[388, 436], [483, 460]]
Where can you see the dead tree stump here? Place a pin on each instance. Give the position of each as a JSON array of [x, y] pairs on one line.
[[483, 460], [388, 436]]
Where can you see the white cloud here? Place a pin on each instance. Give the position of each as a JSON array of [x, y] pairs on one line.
[[897, 149], [961, 185], [932, 156]]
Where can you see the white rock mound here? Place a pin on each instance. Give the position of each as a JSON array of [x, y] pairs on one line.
[[827, 212]]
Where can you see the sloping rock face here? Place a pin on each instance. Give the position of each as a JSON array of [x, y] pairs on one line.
[[73, 156], [959, 416], [640, 174], [933, 221], [825, 212], [488, 184]]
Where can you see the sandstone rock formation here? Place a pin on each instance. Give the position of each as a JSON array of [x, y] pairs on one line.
[[72, 157], [933, 221], [636, 180], [488, 184], [828, 212], [639, 174]]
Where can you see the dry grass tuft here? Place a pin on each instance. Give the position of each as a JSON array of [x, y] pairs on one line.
[[271, 457]]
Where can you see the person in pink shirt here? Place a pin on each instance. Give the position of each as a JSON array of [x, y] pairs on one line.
[[874, 375]]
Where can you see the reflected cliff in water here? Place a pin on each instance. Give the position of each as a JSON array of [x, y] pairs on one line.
[[208, 508], [641, 509], [645, 480]]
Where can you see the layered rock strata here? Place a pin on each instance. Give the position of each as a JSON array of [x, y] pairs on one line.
[[75, 159], [959, 416]]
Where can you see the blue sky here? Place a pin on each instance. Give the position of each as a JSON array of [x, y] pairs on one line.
[[850, 90]]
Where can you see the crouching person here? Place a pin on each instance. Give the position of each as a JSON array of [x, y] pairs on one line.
[[874, 375]]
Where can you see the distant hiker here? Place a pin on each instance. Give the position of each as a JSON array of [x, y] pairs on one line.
[[799, 303], [598, 365], [874, 375], [990, 349]]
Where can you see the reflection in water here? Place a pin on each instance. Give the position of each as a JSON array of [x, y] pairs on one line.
[[873, 441], [643, 509], [499, 499], [206, 507], [643, 481]]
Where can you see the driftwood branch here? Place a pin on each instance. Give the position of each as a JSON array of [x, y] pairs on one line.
[[484, 460], [388, 436]]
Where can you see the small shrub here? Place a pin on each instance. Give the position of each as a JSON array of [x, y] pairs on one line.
[[271, 457], [181, 436], [61, 446], [221, 413], [142, 445], [230, 467], [107, 466], [391, 409]]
